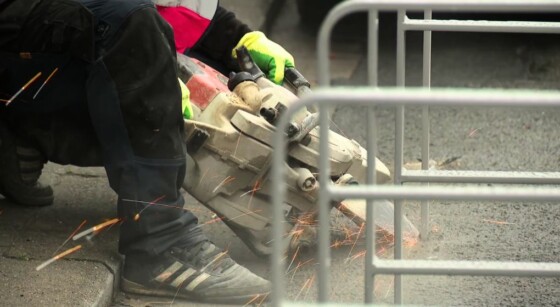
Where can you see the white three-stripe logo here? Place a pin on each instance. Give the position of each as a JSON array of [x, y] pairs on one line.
[[169, 271]]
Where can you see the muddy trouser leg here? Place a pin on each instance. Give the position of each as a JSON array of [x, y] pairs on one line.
[[141, 135]]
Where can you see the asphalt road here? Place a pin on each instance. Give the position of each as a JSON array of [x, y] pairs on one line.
[[484, 139]]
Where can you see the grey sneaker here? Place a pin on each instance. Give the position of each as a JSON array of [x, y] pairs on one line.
[[20, 168], [202, 273]]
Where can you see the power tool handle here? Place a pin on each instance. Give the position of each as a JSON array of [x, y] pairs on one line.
[[298, 82], [247, 64]]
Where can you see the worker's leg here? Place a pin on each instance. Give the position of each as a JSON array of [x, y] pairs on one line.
[[166, 253], [20, 168], [135, 103], [31, 48]]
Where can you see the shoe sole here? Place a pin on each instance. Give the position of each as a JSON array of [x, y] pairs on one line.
[[135, 288], [29, 201]]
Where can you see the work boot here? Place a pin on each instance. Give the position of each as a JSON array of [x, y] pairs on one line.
[[202, 273], [20, 169]]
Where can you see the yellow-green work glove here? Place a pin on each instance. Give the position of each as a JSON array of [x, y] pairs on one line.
[[185, 101], [270, 57]]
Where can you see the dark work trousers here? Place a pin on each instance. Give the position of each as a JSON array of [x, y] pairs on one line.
[[117, 103]]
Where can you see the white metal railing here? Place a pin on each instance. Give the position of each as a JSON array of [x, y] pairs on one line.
[[399, 98]]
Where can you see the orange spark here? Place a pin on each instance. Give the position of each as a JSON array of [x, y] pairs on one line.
[[382, 283], [305, 284], [71, 235], [57, 257], [359, 232], [293, 259], [254, 300], [299, 265], [296, 233], [214, 220], [497, 222], [152, 203], [309, 286], [256, 187], [227, 180], [382, 251], [337, 244], [216, 258], [23, 88], [105, 224], [263, 299], [45, 83], [136, 217], [390, 287], [204, 175], [157, 199], [237, 145], [358, 255], [96, 228], [472, 133]]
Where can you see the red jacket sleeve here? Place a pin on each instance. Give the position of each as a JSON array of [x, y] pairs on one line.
[[188, 25]]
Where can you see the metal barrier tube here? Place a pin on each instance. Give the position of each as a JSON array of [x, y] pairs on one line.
[[393, 97], [521, 6], [427, 54], [324, 206], [530, 194], [370, 225], [279, 190], [426, 83], [373, 47], [482, 26], [399, 146], [470, 268], [278, 195], [505, 177]]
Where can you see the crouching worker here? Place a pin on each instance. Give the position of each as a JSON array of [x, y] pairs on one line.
[[94, 82]]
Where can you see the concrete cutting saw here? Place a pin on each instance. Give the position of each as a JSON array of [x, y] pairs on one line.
[[229, 145]]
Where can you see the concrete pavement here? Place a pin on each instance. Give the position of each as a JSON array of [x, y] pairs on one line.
[[28, 237]]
